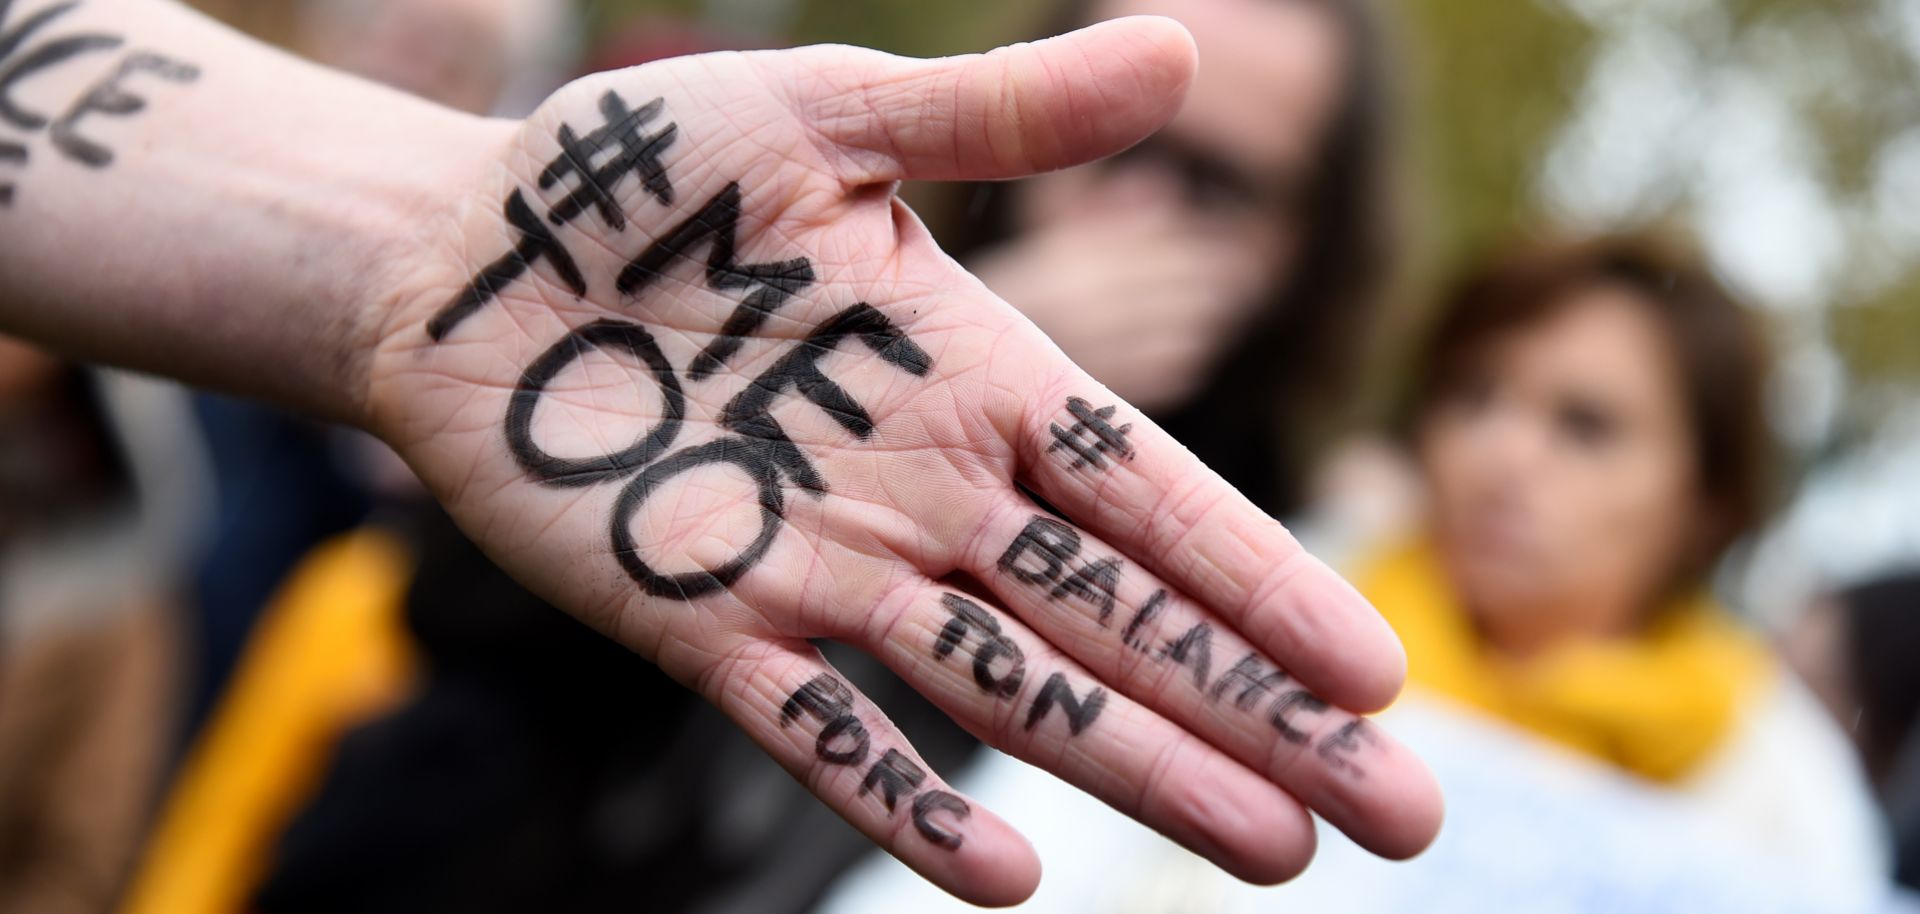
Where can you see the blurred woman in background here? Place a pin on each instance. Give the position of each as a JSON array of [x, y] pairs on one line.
[[1220, 274], [1590, 426]]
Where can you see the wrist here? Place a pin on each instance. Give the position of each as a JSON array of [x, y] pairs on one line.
[[401, 231]]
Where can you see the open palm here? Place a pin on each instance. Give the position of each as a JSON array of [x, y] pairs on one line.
[[677, 357]]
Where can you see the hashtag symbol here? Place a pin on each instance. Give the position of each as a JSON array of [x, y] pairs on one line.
[[1091, 438], [637, 154]]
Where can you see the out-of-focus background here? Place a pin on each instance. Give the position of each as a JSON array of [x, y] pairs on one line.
[[1783, 136], [1584, 335]]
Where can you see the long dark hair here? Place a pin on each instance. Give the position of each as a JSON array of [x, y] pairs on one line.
[[1255, 416]]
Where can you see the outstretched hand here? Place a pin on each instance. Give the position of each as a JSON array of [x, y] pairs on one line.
[[678, 358]]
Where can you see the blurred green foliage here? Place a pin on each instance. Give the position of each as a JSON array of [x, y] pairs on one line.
[[1485, 85]]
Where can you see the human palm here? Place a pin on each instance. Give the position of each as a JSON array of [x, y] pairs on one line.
[[681, 362]]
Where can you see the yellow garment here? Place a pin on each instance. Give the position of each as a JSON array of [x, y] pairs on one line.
[[1657, 704], [330, 651]]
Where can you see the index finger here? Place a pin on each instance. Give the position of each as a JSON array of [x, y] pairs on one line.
[[1114, 472]]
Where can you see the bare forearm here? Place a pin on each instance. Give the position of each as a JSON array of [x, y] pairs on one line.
[[184, 200]]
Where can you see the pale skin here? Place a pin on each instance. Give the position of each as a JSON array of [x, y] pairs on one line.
[[274, 228]]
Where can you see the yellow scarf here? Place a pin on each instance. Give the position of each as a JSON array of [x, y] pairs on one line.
[[331, 650], [1656, 704]]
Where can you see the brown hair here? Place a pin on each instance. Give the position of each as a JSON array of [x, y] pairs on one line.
[[1716, 344], [1296, 361]]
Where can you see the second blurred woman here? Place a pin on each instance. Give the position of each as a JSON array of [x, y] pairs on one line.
[[1591, 429]]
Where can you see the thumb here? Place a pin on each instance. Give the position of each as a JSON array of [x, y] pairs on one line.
[[1010, 112]]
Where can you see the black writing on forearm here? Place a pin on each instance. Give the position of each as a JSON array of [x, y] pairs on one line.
[[26, 52], [110, 96], [23, 53], [12, 154]]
